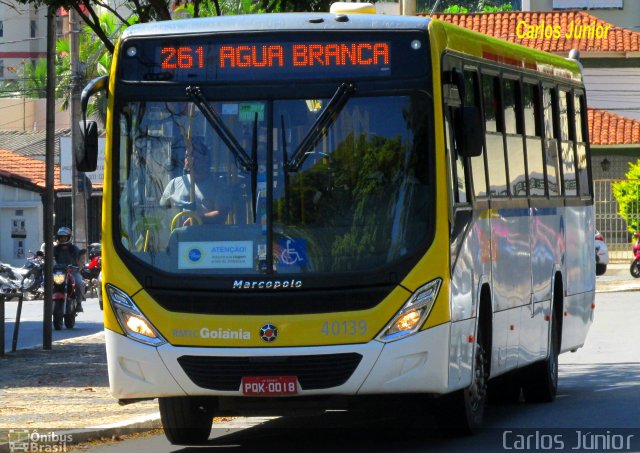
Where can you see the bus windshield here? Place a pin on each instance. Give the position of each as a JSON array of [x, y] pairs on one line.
[[220, 193]]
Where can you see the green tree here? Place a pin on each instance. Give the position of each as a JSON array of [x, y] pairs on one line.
[[30, 83], [154, 10], [473, 6], [627, 193], [96, 60]]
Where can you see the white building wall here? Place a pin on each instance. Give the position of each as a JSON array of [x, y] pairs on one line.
[[19, 114], [614, 89], [16, 43], [18, 208], [626, 17]]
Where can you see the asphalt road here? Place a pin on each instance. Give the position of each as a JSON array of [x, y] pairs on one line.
[[30, 331], [597, 409]]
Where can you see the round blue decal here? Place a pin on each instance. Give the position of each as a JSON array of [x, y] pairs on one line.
[[195, 255]]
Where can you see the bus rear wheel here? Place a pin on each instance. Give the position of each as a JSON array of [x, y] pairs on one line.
[[185, 420], [540, 384]]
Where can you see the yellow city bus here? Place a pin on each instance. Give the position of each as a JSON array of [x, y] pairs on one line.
[[304, 209]]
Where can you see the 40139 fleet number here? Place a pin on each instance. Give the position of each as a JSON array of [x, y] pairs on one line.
[[349, 328]]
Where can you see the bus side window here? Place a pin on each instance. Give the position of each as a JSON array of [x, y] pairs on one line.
[[515, 145], [472, 98], [493, 137], [581, 145], [550, 143], [533, 139], [566, 145]]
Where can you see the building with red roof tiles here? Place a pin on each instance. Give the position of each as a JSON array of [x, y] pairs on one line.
[[22, 185]]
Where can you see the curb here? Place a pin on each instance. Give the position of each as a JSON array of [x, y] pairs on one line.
[[78, 436]]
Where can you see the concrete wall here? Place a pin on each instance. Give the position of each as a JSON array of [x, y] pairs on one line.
[[16, 43], [628, 17], [614, 89], [29, 115]]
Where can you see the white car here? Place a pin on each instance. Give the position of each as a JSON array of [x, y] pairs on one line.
[[602, 254]]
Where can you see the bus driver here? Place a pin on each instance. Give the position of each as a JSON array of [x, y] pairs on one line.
[[206, 196]]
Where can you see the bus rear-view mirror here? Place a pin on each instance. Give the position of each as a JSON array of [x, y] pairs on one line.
[[87, 152]]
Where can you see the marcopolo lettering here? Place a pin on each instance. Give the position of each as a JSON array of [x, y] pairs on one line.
[[267, 284]]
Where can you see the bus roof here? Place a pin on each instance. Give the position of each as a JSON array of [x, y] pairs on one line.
[[277, 22], [447, 36]]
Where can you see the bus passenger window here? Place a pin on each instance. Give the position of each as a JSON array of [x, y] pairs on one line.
[[568, 159], [533, 139], [515, 145], [510, 95], [492, 109], [581, 146], [496, 165], [550, 144]]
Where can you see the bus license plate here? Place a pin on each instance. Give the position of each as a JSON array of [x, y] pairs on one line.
[[269, 385]]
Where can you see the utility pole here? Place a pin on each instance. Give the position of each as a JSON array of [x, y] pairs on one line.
[[78, 199], [49, 164]]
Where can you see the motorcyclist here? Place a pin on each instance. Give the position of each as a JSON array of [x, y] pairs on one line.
[[64, 252]]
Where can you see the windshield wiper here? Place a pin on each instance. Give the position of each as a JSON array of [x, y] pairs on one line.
[[248, 163], [320, 126], [221, 129]]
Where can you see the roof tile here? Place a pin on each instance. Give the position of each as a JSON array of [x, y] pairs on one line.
[[26, 169], [503, 25], [606, 128]]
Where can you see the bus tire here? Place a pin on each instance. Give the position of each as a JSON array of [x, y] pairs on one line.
[[505, 389], [185, 421], [463, 411], [540, 384]]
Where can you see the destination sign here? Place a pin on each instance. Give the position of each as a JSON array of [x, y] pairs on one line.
[[204, 59]]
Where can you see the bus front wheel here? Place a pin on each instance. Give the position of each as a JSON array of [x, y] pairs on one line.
[[185, 420], [462, 412]]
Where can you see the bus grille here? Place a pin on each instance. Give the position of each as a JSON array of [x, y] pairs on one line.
[[313, 371]]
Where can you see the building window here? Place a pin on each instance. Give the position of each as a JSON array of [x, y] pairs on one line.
[[1, 29], [34, 28], [1, 69]]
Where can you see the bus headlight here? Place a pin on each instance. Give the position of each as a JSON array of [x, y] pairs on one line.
[[131, 319], [412, 314]]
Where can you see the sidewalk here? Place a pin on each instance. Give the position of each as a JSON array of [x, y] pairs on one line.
[[67, 389], [617, 278]]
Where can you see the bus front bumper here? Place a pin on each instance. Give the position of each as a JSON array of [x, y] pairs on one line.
[[417, 364]]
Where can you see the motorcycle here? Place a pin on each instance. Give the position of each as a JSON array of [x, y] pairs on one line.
[[10, 281], [635, 264], [64, 297], [33, 276], [90, 272]]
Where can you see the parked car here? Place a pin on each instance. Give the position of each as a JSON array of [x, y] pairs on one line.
[[602, 254]]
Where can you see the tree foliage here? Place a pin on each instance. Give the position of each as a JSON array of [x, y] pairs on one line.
[[157, 10], [627, 193], [473, 6]]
